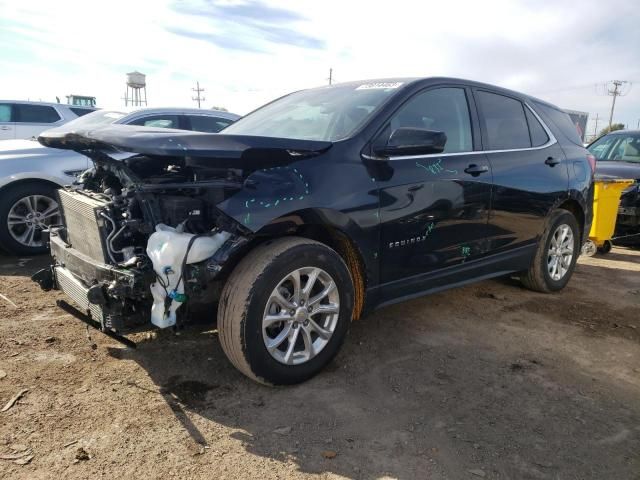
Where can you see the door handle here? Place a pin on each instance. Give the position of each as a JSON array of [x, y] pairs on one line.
[[476, 170], [5, 127], [552, 161]]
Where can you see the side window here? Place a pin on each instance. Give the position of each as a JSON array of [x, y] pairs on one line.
[[600, 148], [203, 123], [505, 122], [626, 148], [441, 109], [538, 135], [158, 121], [35, 113], [5, 112]]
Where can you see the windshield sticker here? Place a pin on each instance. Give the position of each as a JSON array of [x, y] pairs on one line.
[[379, 85]]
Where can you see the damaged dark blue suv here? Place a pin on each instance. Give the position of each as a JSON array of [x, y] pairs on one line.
[[315, 209]]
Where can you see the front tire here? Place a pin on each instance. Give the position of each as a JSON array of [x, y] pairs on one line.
[[285, 310], [556, 255]]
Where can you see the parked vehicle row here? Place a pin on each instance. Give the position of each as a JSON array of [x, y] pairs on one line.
[[317, 208], [30, 173], [618, 155], [22, 119]]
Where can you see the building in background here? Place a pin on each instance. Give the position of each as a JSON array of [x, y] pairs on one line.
[[580, 120]]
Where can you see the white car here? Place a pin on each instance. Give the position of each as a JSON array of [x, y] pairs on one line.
[[30, 173], [19, 119]]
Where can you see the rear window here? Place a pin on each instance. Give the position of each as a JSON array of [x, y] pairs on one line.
[[81, 111], [35, 114], [563, 122], [505, 122]]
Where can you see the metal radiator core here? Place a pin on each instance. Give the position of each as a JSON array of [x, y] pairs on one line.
[[78, 293], [83, 224]]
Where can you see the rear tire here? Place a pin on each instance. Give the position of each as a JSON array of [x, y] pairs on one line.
[[606, 247], [256, 296], [25, 210], [551, 268]]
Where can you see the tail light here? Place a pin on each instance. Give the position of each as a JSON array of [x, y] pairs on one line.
[[592, 162]]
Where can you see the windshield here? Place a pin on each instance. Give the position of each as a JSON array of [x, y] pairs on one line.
[[327, 113], [619, 147]]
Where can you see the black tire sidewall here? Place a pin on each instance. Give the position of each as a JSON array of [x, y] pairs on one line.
[[9, 196], [262, 364], [568, 219]]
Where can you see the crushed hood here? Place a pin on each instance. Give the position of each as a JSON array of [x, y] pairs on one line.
[[234, 151]]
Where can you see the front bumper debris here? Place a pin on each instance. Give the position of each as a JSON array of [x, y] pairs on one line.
[[71, 310]]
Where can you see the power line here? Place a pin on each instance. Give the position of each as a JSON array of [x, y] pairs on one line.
[[198, 90], [617, 91]]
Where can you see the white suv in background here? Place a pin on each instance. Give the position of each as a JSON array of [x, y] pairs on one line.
[[30, 173], [20, 119]]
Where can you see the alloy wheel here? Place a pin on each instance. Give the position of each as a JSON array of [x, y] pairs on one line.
[[29, 216], [560, 252], [301, 315]]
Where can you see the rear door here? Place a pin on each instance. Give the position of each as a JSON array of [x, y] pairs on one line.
[[31, 120], [530, 173], [7, 126], [434, 208]]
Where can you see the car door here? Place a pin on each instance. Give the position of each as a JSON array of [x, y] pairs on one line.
[[7, 126], [530, 173], [31, 120], [434, 208]]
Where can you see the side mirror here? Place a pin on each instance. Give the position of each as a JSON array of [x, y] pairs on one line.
[[413, 141]]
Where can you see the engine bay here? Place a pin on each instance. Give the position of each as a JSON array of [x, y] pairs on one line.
[[154, 226]]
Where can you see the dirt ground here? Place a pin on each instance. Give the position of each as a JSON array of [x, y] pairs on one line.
[[487, 381]]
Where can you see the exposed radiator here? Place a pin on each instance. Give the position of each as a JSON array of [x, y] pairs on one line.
[[83, 224], [78, 293]]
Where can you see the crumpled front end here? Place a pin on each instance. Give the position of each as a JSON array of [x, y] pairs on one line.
[[120, 265], [150, 232]]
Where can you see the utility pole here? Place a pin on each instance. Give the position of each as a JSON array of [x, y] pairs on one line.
[[595, 129], [198, 90], [615, 92], [330, 76]]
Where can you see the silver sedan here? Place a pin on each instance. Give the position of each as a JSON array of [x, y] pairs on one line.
[[30, 173]]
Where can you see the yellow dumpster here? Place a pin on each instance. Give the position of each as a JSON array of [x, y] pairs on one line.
[[606, 199]]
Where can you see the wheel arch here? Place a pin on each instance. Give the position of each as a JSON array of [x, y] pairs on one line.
[[332, 228], [576, 209], [49, 181]]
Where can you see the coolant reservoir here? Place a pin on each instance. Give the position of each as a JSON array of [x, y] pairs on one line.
[[166, 248]]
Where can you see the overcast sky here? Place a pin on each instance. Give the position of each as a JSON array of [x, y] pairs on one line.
[[247, 52]]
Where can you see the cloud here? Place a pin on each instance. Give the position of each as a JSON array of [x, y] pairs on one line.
[[250, 26], [245, 53]]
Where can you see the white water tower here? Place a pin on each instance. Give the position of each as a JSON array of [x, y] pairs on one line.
[[136, 94]]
